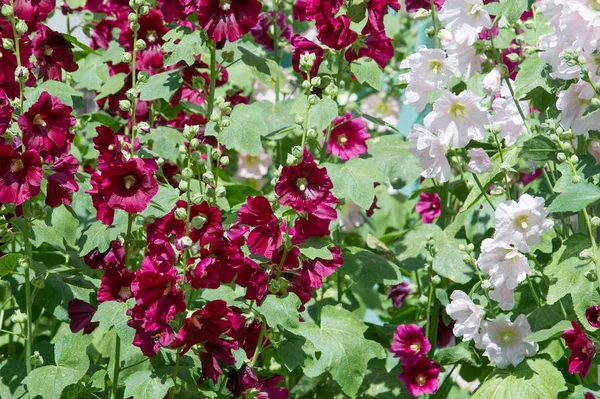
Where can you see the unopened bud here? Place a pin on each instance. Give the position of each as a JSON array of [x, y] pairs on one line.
[[144, 10], [313, 99], [8, 44], [185, 242], [423, 300], [37, 359], [21, 27], [224, 160], [299, 120], [216, 154], [421, 14], [194, 144], [18, 317], [311, 134], [143, 127], [486, 284], [497, 191], [143, 76], [226, 121], [7, 11], [595, 222], [591, 275], [183, 185], [131, 94], [132, 17], [198, 222], [189, 132], [574, 158], [586, 254], [220, 192], [291, 160], [513, 57], [197, 198], [316, 81], [561, 157], [134, 26], [126, 58], [214, 117], [208, 178], [21, 74], [576, 179], [436, 279], [140, 44], [181, 214], [125, 105], [187, 173]]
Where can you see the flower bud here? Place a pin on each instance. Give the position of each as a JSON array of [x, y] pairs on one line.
[[423, 300], [513, 57], [307, 60], [595, 222], [486, 285], [586, 254], [21, 27], [208, 177], [224, 105], [568, 147], [306, 85], [189, 132], [135, 26], [422, 14], [140, 45], [181, 214], [143, 76], [126, 58], [214, 117], [331, 90], [183, 185], [136, 3], [436, 279], [574, 158], [311, 134], [194, 144], [144, 10], [497, 191], [197, 199], [39, 281], [210, 191], [576, 179], [37, 359], [220, 192], [185, 242], [591, 275], [216, 154], [143, 127], [8, 44], [187, 173], [291, 160], [24, 263], [131, 94], [18, 317], [313, 99], [21, 74], [7, 11], [226, 121], [299, 120], [316, 81], [224, 160], [124, 105], [198, 222], [132, 17], [561, 157]]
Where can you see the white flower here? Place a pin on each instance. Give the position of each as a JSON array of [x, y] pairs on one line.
[[581, 19], [252, 167], [431, 154], [522, 223], [457, 119], [430, 70], [504, 343], [507, 117], [387, 110], [465, 18], [492, 81], [555, 47], [466, 314], [573, 102], [467, 59], [479, 161], [506, 268], [594, 150]]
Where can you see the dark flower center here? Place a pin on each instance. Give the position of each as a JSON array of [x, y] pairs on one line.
[[16, 165], [421, 380], [39, 120], [129, 181], [301, 183]]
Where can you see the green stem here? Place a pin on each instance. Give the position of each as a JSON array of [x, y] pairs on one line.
[[306, 111], [478, 182], [213, 78], [116, 370], [263, 329], [434, 22], [337, 82], [28, 298], [134, 87], [17, 37], [276, 46]]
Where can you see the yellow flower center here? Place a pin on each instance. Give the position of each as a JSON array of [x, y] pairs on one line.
[[521, 222], [301, 183], [416, 347], [38, 120], [458, 110], [225, 5], [129, 181], [342, 139], [16, 165], [421, 380], [436, 66]]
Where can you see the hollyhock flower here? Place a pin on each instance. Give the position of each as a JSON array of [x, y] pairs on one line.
[[421, 377], [319, 269], [348, 137], [159, 247], [206, 325], [261, 31], [445, 332], [493, 81], [303, 46], [409, 344], [210, 357], [304, 186], [589, 395], [376, 10], [526, 178], [266, 235], [151, 29], [45, 126], [216, 265], [255, 279], [8, 60], [592, 314], [430, 152], [245, 380], [582, 350], [336, 32], [457, 118], [61, 183], [594, 150], [81, 314], [522, 223], [416, 5], [227, 19], [104, 213], [429, 70], [466, 57], [465, 18], [212, 229], [573, 103], [466, 314], [115, 286], [131, 185], [53, 53], [176, 10], [308, 10], [107, 143], [399, 292], [555, 50], [385, 109], [507, 117], [429, 207], [253, 167], [376, 46], [479, 161], [316, 223], [6, 112], [504, 343], [20, 175], [32, 10], [150, 335]]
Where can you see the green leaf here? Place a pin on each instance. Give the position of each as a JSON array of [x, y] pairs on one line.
[[512, 9], [76, 3], [99, 236], [146, 384], [112, 86], [573, 245], [366, 268], [59, 227], [165, 142], [391, 155], [575, 198], [8, 263], [531, 75], [539, 148], [281, 311], [586, 168], [91, 74], [162, 85], [72, 363], [459, 354], [266, 69], [367, 71], [163, 202], [354, 180], [65, 93], [344, 350], [73, 40], [531, 379], [114, 314], [322, 114], [12, 373], [316, 248], [549, 333], [183, 44], [245, 130]]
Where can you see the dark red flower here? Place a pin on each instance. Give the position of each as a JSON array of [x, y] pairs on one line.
[[112, 259], [444, 335], [81, 314], [304, 186], [216, 265], [107, 143], [152, 29], [316, 223], [262, 32], [211, 230], [429, 207], [319, 269], [6, 112], [104, 213], [421, 377], [582, 350], [410, 343], [45, 126], [210, 359], [131, 185], [376, 46], [336, 32], [159, 248], [255, 279], [33, 10], [61, 182], [20, 175], [308, 10], [348, 137], [245, 379], [266, 235], [227, 19], [115, 286], [592, 314], [415, 5], [205, 325], [8, 60], [376, 10], [150, 335], [53, 53], [176, 10], [304, 46], [399, 292]]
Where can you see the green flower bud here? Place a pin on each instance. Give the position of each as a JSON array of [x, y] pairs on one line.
[[144, 10], [299, 120], [436, 279], [21, 27], [187, 173], [143, 76], [183, 185], [313, 99], [595, 222], [216, 154], [140, 45], [576, 179], [574, 158], [126, 58], [124, 105], [208, 177], [225, 160], [185, 242], [316, 81], [7, 11], [194, 144], [132, 17], [135, 26], [486, 285], [591, 275], [311, 134], [214, 117], [561, 157], [8, 44], [306, 85], [226, 121], [198, 222], [24, 263], [197, 199], [131, 94], [586, 254], [21, 74], [189, 132], [220, 192], [181, 214], [143, 127], [210, 191], [18, 317], [37, 359], [291, 160]]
